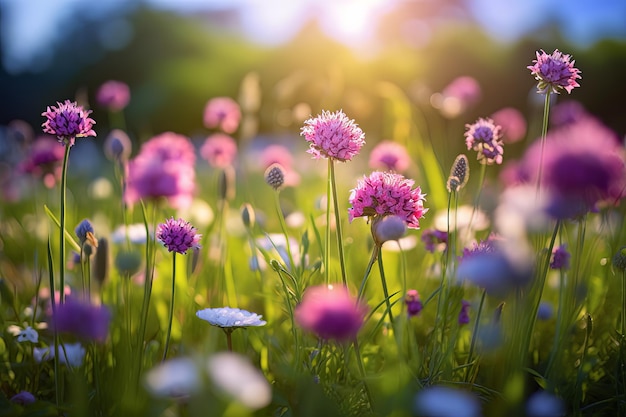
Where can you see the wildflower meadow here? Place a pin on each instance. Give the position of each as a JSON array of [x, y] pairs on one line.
[[323, 275]]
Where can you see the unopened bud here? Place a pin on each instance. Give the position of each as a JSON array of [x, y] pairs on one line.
[[248, 216], [275, 176], [127, 263], [388, 228], [459, 174], [619, 259], [101, 264]]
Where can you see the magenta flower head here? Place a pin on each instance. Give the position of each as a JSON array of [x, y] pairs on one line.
[[219, 150], [330, 312], [512, 122], [164, 168], [178, 235], [333, 135], [44, 160], [82, 320], [560, 258], [554, 72], [223, 113], [386, 193], [413, 303], [113, 95], [67, 122], [485, 137], [389, 156]]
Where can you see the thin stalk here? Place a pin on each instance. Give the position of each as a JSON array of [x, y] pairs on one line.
[[368, 270], [294, 332], [171, 316], [481, 180], [333, 183], [623, 305], [327, 247], [384, 284], [474, 336], [283, 227], [544, 132], [359, 361], [57, 379], [66, 157], [229, 338]]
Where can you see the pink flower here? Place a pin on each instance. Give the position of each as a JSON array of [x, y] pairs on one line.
[[67, 122], [485, 138], [178, 235], [222, 112], [389, 156], [512, 122], [462, 93], [44, 160], [330, 312], [114, 95], [219, 150], [554, 72], [333, 135], [278, 154], [386, 193], [164, 167]]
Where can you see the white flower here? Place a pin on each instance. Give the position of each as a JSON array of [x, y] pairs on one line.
[[28, 334], [442, 401], [230, 317], [177, 378], [136, 233], [71, 354], [236, 377]]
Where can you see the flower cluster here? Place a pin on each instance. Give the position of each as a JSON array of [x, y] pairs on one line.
[[485, 137], [333, 135], [178, 235], [67, 122], [554, 72], [386, 193]]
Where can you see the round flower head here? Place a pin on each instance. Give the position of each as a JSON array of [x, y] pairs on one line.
[[485, 138], [330, 312], [178, 235], [117, 146], [413, 303], [560, 258], [114, 95], [83, 320], [554, 72], [222, 112], [227, 317], [219, 150], [333, 135], [387, 193], [23, 398], [619, 259], [44, 160], [278, 154], [275, 176], [67, 122], [388, 228], [389, 156], [512, 122], [458, 96]]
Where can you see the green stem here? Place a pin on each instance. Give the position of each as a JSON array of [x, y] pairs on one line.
[[333, 183], [481, 180], [171, 317], [359, 361], [229, 339], [474, 335], [623, 305], [66, 158], [327, 247], [384, 284], [57, 376], [368, 270], [283, 227], [294, 332], [544, 132]]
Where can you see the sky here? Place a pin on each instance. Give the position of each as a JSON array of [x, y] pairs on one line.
[[29, 27]]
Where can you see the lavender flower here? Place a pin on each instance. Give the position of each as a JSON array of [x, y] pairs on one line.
[[28, 334], [83, 320], [333, 135], [84, 232], [435, 240], [178, 235], [117, 146], [23, 398], [330, 312], [413, 303], [441, 401], [227, 317], [222, 112], [560, 258], [484, 137], [114, 95], [464, 317], [67, 122], [554, 72], [389, 156]]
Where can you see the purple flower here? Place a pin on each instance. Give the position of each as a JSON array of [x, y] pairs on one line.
[[114, 95], [117, 146], [386, 193], [545, 311], [164, 167], [44, 160], [81, 319], [219, 150], [388, 228], [484, 246], [178, 235], [554, 72], [67, 122], [434, 239], [389, 156], [330, 312], [567, 112], [464, 317], [512, 122], [560, 258], [413, 303], [23, 398], [222, 112], [83, 230], [333, 135], [485, 138], [583, 165]]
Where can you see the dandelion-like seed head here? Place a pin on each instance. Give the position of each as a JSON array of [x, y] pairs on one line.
[[485, 137], [178, 235], [554, 72], [333, 135], [275, 176], [68, 121], [387, 193]]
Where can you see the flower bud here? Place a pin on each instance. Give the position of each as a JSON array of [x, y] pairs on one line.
[[127, 263], [388, 228], [619, 259], [275, 176], [248, 216]]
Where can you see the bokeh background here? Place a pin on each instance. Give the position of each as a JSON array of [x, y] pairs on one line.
[[291, 58]]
